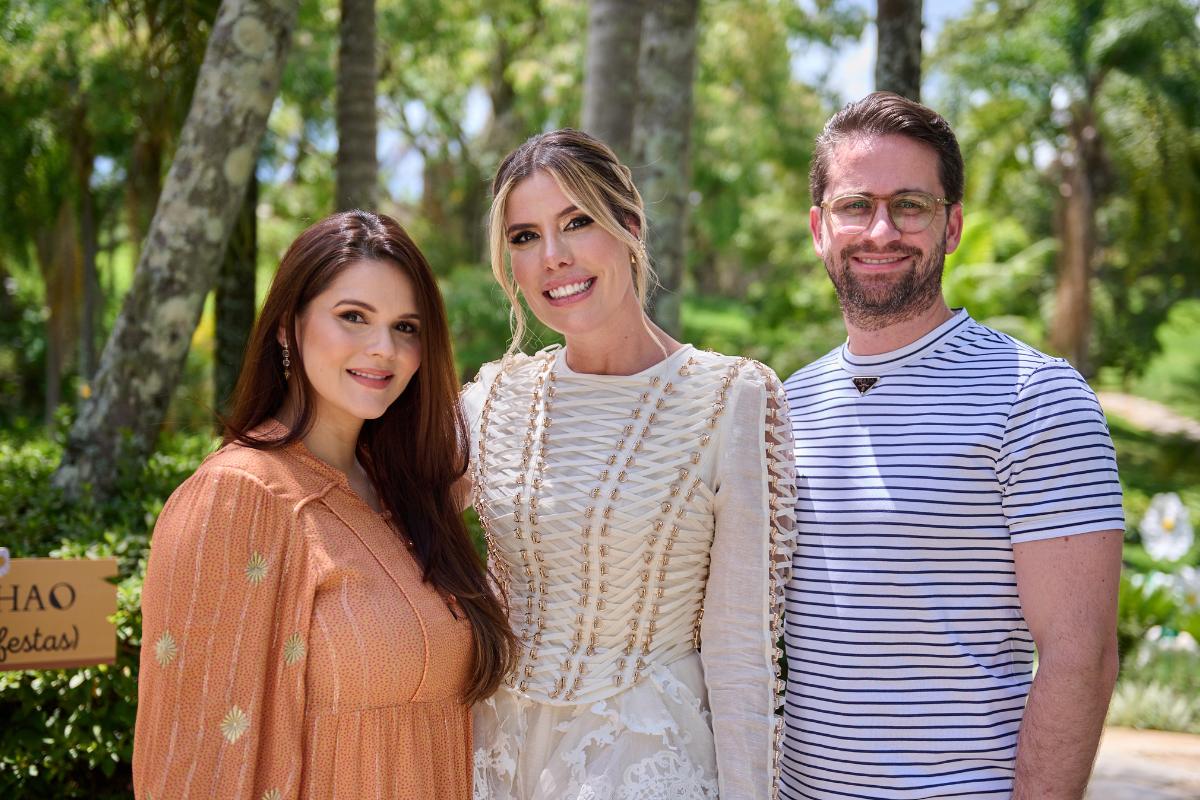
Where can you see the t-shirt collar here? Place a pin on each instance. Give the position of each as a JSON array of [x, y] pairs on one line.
[[883, 363]]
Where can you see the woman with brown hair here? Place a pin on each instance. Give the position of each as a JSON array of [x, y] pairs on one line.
[[637, 495], [315, 620]]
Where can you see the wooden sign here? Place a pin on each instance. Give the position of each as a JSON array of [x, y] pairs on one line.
[[54, 613]]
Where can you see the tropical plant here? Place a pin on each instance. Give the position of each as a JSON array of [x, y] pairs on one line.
[[1080, 121]]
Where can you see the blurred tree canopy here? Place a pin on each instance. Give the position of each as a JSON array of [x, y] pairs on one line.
[[1080, 127], [98, 92]]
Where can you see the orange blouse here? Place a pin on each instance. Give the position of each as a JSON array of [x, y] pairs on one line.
[[290, 648]]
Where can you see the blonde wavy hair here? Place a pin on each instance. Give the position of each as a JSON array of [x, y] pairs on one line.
[[590, 175]]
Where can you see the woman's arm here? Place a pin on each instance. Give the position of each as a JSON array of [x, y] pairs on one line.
[[751, 557], [226, 606]]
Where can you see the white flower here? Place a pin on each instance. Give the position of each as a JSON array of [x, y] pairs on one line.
[[5, 561], [1186, 583], [1166, 528], [1150, 582]]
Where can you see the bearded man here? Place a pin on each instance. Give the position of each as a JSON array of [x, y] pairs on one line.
[[959, 510]]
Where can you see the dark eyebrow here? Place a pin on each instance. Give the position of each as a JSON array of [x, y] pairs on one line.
[[893, 194], [520, 226], [368, 307], [352, 302]]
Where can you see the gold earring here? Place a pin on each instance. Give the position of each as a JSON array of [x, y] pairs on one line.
[[287, 362]]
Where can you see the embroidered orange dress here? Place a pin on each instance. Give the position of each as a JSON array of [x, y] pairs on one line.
[[290, 648]]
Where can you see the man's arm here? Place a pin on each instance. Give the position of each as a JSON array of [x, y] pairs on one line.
[[1068, 589]]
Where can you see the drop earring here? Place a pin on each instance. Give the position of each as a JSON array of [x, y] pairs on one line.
[[287, 362]]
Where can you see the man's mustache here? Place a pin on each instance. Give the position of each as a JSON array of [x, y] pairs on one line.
[[855, 249]]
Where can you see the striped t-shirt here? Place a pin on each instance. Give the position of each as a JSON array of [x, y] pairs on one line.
[[908, 659]]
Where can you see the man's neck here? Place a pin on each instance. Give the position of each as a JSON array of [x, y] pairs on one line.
[[864, 342]]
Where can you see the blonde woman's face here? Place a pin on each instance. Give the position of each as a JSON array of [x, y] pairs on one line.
[[575, 275]]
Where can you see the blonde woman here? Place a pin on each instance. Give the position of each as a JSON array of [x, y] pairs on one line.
[[637, 496]]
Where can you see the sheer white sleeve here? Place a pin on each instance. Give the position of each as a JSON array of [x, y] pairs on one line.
[[750, 562]]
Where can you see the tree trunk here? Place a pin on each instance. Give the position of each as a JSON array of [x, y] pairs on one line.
[[83, 159], [144, 357], [610, 80], [1071, 328], [235, 299], [59, 257], [357, 164], [898, 54], [662, 143]]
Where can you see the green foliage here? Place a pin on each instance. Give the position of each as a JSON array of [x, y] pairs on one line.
[[1150, 465], [1158, 685], [69, 733], [1173, 374], [1158, 705], [1140, 608], [1000, 274], [1117, 71]]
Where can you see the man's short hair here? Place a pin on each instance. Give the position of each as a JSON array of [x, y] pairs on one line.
[[888, 114]]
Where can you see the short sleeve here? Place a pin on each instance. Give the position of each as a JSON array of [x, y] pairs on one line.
[[1057, 467], [225, 615], [751, 556]]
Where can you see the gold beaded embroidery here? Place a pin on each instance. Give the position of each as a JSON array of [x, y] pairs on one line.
[[534, 569], [594, 550], [602, 566]]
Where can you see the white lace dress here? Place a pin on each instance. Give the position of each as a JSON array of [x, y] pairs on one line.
[[641, 527]]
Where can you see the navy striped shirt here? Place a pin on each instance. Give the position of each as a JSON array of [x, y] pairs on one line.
[[908, 658]]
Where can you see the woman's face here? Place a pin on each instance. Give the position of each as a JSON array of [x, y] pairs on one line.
[[360, 340], [575, 275]]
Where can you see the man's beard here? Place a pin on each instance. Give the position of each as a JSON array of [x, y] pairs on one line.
[[873, 302]]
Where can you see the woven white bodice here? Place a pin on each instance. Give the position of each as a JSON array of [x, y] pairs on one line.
[[603, 498]]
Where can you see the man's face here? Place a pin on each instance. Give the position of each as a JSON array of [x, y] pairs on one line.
[[884, 276]]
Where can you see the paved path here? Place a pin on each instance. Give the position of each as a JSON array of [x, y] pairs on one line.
[[1146, 765], [1149, 415]]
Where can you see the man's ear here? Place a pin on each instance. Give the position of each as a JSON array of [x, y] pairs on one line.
[[954, 227], [818, 233]]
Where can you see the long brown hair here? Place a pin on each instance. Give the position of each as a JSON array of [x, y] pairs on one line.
[[417, 450]]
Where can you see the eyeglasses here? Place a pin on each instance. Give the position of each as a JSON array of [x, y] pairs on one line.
[[910, 212]]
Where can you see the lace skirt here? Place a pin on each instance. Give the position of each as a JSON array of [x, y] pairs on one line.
[[653, 741]]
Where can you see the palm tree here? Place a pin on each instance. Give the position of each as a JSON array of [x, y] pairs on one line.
[[357, 164], [1062, 85], [898, 50], [662, 142], [610, 80]]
